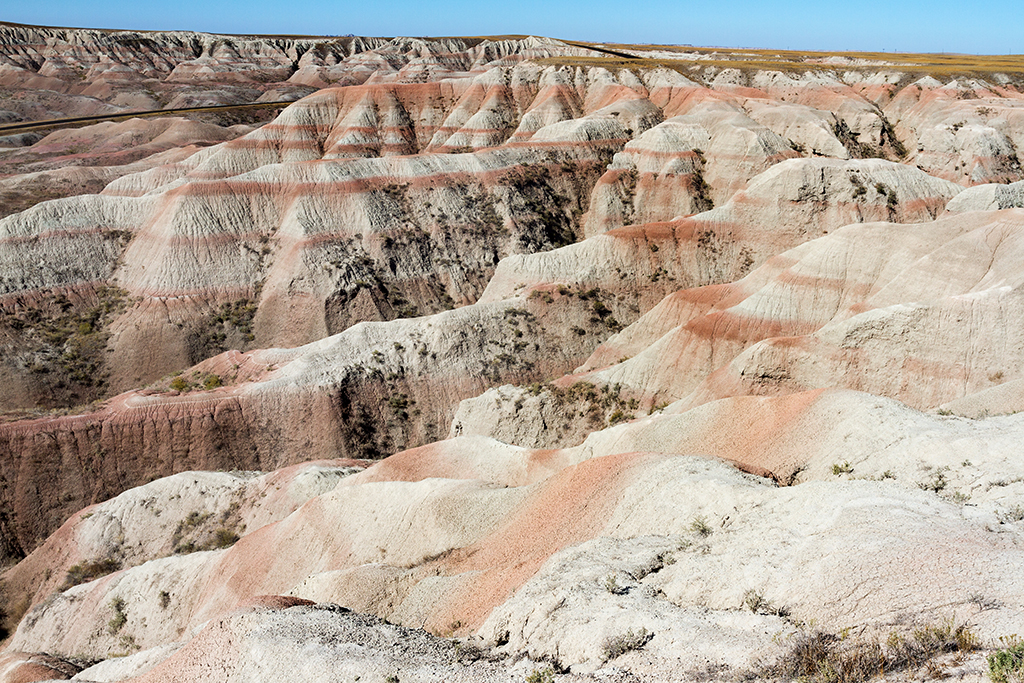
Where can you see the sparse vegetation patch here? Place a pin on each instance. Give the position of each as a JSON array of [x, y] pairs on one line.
[[616, 646], [612, 585], [120, 617], [758, 604], [599, 405], [820, 657], [842, 468], [87, 571], [700, 526], [233, 319], [545, 675], [1007, 664], [62, 338], [194, 534]]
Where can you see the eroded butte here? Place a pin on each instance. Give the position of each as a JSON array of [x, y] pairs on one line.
[[506, 359]]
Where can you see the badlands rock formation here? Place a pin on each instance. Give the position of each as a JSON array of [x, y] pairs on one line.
[[505, 360]]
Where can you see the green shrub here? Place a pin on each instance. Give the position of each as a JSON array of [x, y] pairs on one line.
[[120, 617], [619, 416], [401, 403], [211, 382], [127, 644], [193, 534], [758, 604], [1014, 514], [935, 483], [621, 644], [1007, 665], [87, 571], [700, 526], [224, 538], [612, 585], [546, 675], [185, 529], [179, 384]]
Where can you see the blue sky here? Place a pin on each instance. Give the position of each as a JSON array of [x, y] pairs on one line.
[[894, 25]]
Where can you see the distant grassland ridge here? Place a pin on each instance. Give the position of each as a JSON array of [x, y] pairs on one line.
[[617, 56]]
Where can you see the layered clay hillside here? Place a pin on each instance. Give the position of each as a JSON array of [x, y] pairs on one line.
[[505, 359]]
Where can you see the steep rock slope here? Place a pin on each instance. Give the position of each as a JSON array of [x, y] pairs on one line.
[[965, 130], [204, 509], [83, 71], [589, 111], [873, 307], [85, 160], [368, 391], [469, 548], [365, 392], [191, 282]]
